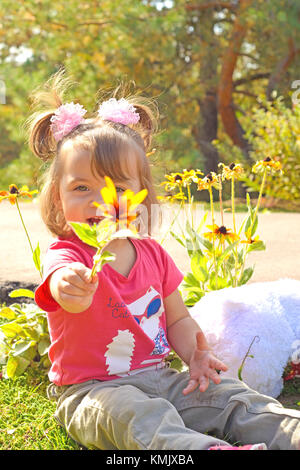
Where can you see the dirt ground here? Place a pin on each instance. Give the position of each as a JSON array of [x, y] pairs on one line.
[[280, 232]]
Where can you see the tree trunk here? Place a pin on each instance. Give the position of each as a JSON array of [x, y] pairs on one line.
[[225, 91], [206, 131]]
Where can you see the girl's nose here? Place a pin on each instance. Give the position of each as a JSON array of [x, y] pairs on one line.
[[96, 197]]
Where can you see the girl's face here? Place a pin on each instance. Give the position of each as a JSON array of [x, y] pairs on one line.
[[79, 187]]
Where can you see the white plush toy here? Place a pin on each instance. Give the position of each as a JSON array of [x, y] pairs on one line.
[[266, 313]]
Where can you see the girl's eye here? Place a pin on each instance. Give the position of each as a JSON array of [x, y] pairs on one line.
[[81, 187], [119, 190]]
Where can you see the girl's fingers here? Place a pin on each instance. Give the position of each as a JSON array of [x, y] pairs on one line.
[[78, 277], [191, 386], [216, 364], [203, 384], [214, 376], [82, 271], [73, 289]]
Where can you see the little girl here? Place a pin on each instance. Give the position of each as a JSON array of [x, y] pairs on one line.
[[111, 334]]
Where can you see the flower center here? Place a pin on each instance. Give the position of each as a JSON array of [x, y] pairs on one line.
[[14, 190], [232, 166], [222, 230], [178, 178], [268, 159], [209, 176]]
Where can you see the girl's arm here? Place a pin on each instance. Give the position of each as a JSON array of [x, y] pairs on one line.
[[182, 328], [188, 341]]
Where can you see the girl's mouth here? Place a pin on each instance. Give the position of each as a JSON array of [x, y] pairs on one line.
[[94, 220]]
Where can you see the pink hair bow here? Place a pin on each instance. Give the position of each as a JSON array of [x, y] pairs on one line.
[[66, 118], [120, 111]]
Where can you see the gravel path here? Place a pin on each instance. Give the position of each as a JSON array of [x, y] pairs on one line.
[[280, 231]]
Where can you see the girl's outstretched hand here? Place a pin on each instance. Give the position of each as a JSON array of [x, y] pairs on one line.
[[203, 368], [72, 287]]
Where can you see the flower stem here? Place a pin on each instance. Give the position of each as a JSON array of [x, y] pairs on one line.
[[213, 223], [234, 229], [27, 235], [222, 215], [172, 223], [233, 203], [258, 200], [220, 199], [190, 204], [95, 264]]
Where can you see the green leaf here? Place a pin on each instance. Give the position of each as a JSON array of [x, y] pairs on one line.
[[191, 280], [37, 257], [248, 225], [20, 347], [221, 258], [12, 329], [202, 222], [22, 293], [86, 233], [193, 235], [177, 238], [199, 271], [103, 258], [256, 246], [206, 243], [43, 346], [11, 367], [196, 290], [7, 313], [32, 332], [16, 366], [217, 282], [246, 276]]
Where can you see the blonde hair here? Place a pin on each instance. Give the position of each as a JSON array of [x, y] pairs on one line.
[[105, 140]]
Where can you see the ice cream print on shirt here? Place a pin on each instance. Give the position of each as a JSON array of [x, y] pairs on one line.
[[146, 311]]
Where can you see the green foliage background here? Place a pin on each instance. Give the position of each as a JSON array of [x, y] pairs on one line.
[[173, 50]]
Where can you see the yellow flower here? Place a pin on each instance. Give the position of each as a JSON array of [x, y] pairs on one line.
[[152, 152], [121, 210], [190, 176], [174, 180], [177, 180], [211, 179], [222, 233], [272, 165], [234, 170], [172, 197], [14, 192], [249, 241]]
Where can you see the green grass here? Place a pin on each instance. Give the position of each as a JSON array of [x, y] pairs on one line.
[[26, 414]]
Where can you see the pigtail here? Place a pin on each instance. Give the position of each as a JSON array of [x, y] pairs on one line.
[[147, 125], [47, 100], [145, 107]]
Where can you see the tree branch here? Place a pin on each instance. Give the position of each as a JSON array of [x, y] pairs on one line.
[[246, 93], [256, 76], [282, 67], [206, 6]]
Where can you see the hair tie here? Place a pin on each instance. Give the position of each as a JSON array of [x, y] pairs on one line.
[[120, 111], [66, 118]]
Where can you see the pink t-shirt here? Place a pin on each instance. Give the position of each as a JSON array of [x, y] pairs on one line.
[[124, 329]]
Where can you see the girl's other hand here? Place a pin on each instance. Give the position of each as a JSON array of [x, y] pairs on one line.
[[72, 287], [203, 368]]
